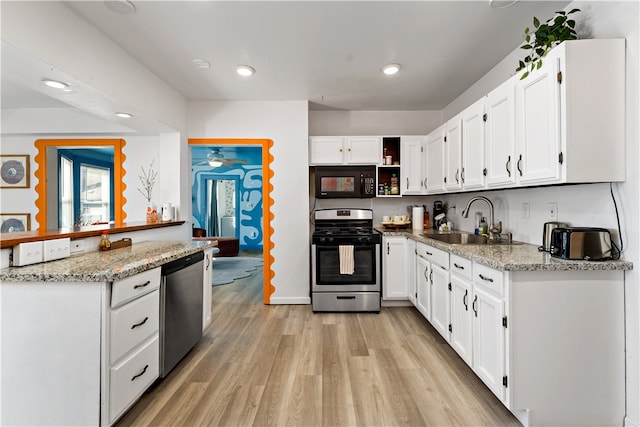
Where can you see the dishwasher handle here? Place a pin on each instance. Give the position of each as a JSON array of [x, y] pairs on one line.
[[179, 264]]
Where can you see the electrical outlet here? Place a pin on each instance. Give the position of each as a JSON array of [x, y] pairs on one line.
[[552, 210], [526, 209], [77, 246]]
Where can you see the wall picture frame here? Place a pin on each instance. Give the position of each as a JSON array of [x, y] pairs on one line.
[[14, 170], [15, 222]]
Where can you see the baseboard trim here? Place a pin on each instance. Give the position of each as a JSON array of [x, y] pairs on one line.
[[290, 300]]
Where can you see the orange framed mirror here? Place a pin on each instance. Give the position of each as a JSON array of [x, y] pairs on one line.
[[43, 145]]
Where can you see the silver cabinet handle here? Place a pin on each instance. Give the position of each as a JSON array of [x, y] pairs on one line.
[[431, 277], [508, 166], [387, 248], [464, 300], [407, 183], [474, 306], [457, 174], [428, 253], [461, 267], [425, 183], [462, 175]]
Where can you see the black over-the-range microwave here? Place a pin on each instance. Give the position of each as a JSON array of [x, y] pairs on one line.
[[333, 182]]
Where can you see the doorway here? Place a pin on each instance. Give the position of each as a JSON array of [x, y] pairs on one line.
[[263, 206]]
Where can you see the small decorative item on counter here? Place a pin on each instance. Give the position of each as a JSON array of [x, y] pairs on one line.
[[484, 228], [395, 189], [152, 213], [148, 180], [105, 242]]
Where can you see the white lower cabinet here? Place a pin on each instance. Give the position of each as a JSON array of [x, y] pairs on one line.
[[525, 334], [395, 272], [489, 324], [432, 281], [207, 285], [81, 353], [461, 308], [423, 286]]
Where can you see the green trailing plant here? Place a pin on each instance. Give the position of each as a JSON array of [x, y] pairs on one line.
[[544, 38]]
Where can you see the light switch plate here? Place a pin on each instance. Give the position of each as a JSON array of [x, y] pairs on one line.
[[57, 249], [77, 246], [27, 253]]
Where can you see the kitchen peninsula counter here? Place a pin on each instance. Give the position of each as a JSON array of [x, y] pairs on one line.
[[515, 257], [106, 266]]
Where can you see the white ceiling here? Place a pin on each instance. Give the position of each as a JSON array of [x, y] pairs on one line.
[[327, 52]]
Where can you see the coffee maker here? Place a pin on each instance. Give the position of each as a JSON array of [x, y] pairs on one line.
[[438, 208]]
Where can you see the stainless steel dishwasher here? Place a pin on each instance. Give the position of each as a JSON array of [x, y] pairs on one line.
[[180, 309]]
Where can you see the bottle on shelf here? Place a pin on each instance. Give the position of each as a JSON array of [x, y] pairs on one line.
[[105, 242], [395, 189]]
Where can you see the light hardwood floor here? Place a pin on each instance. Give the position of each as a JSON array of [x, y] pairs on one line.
[[286, 366]]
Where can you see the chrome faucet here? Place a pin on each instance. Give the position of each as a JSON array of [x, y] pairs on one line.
[[494, 229]]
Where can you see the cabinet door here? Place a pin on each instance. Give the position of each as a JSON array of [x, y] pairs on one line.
[[435, 161], [489, 340], [326, 150], [364, 150], [207, 284], [423, 287], [412, 175], [440, 300], [471, 174], [537, 99], [500, 135], [411, 271], [394, 284], [453, 154], [461, 318]]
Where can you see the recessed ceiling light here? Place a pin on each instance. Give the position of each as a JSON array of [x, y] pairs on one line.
[[245, 70], [123, 7], [55, 84], [124, 115], [501, 4], [391, 69], [201, 63]]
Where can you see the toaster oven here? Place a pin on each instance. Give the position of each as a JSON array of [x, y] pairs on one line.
[[581, 243]]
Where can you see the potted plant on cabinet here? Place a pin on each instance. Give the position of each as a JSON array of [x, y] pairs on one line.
[[544, 38]]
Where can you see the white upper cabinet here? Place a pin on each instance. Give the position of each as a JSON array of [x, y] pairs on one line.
[[364, 150], [500, 136], [453, 153], [434, 155], [473, 149], [570, 115], [412, 165], [538, 98], [339, 150], [326, 150]]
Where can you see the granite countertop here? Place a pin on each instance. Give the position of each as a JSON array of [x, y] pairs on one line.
[[516, 257], [106, 266]]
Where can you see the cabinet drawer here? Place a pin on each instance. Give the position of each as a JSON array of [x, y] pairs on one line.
[[132, 377], [434, 255], [132, 323], [489, 278], [134, 286], [461, 266]]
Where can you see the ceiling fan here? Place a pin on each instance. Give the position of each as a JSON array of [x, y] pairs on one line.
[[216, 159]]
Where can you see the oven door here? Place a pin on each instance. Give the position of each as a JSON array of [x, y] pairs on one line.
[[325, 269]]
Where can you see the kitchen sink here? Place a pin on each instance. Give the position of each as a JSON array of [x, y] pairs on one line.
[[467, 239]]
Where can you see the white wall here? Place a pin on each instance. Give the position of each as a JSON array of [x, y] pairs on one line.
[[286, 123], [386, 123]]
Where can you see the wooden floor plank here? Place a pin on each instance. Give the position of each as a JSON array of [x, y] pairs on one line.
[[285, 365]]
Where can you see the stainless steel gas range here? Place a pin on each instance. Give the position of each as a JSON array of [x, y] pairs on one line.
[[345, 261]]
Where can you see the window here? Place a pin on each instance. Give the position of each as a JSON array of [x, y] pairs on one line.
[[66, 193], [95, 190]]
